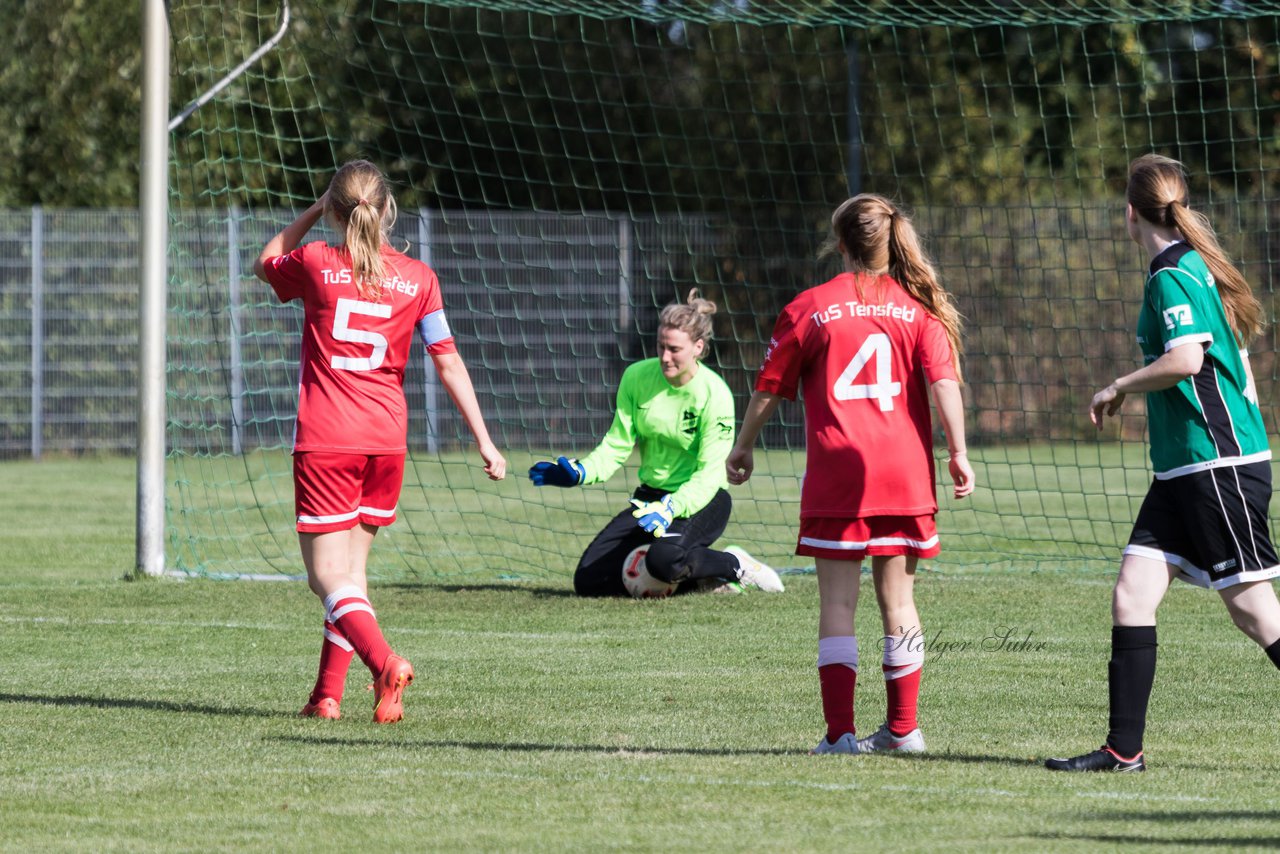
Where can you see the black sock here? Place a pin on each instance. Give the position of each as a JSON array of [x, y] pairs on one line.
[[1273, 653], [710, 563], [1130, 675]]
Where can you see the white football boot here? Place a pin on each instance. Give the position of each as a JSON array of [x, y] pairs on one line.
[[753, 573], [883, 741]]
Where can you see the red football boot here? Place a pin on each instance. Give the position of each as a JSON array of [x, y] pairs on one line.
[[388, 690]]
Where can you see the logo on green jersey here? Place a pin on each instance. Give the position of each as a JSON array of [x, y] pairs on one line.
[[1177, 315]]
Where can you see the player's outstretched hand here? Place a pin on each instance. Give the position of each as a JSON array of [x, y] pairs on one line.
[[563, 472], [961, 474], [495, 465], [739, 465], [654, 516]]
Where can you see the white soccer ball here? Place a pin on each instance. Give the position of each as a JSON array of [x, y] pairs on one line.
[[639, 583]]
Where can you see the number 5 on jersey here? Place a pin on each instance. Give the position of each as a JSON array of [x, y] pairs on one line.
[[878, 349], [342, 331]]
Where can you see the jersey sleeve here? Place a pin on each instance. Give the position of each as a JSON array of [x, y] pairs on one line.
[[432, 326], [619, 442], [288, 273], [933, 349], [715, 441], [780, 373], [1176, 297]]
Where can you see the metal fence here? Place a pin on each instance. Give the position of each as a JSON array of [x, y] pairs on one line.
[[548, 309]]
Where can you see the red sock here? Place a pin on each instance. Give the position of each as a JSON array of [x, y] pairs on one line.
[[837, 681], [335, 659], [903, 696], [350, 611]]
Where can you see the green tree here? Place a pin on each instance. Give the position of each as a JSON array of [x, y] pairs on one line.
[[70, 94]]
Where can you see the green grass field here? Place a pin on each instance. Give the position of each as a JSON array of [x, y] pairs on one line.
[[159, 715]]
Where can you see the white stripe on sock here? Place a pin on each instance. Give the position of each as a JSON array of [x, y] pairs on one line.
[[338, 640], [348, 592], [349, 608], [838, 650]]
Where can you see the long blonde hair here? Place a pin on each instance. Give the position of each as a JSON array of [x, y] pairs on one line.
[[692, 318], [879, 238], [1157, 192], [361, 206]]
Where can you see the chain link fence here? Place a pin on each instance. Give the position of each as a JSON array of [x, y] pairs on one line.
[[538, 301]]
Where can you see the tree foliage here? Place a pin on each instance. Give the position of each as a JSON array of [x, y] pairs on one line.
[[70, 93], [506, 107]]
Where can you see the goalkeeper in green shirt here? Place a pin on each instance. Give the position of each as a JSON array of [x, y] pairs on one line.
[[680, 415]]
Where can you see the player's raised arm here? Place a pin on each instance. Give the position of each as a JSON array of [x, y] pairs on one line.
[[290, 237]]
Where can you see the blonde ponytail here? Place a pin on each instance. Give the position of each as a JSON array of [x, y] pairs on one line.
[[361, 204]]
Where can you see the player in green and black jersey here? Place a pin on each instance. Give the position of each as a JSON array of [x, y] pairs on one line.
[[1205, 517]]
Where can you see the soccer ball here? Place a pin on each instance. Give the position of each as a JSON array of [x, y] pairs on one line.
[[639, 583]]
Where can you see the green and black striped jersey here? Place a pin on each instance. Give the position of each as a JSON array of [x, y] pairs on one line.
[[1210, 419]]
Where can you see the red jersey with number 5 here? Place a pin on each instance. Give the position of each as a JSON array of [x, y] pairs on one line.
[[864, 352], [354, 351]]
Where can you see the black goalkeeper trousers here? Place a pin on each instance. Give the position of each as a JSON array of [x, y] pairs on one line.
[[682, 559]]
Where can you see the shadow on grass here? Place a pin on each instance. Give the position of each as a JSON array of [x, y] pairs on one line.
[[1232, 842], [512, 587], [973, 758], [531, 747], [1192, 815], [136, 703], [1195, 820]]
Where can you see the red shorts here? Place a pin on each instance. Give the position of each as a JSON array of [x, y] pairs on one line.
[[854, 539], [336, 492]]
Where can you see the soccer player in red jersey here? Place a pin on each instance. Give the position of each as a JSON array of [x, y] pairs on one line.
[[867, 348], [362, 302]]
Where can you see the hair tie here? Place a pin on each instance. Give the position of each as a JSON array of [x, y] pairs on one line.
[[363, 202]]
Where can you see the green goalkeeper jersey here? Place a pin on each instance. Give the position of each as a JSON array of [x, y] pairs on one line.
[[684, 434], [1210, 419]]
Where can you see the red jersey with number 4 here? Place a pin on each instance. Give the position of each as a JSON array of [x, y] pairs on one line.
[[864, 352], [354, 351]]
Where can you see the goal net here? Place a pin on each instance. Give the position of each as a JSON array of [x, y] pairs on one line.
[[568, 168]]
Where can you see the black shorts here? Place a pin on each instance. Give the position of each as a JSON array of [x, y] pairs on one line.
[[1212, 525]]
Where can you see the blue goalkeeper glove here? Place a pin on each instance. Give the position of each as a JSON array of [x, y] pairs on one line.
[[563, 472], [654, 516]]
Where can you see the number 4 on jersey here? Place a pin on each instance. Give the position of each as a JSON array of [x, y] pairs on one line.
[[884, 389]]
